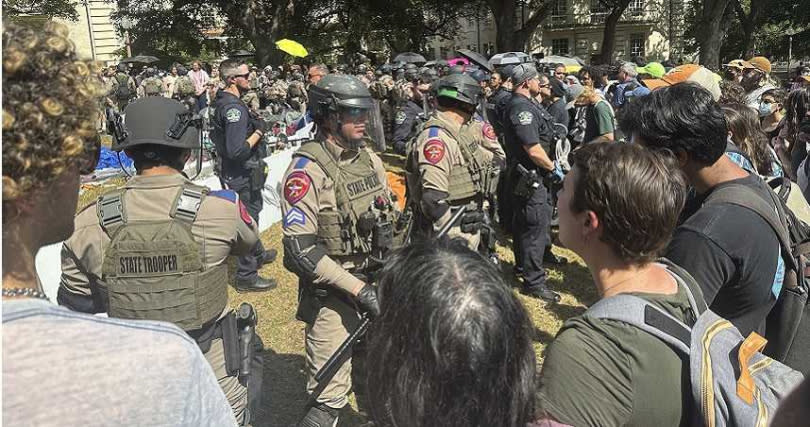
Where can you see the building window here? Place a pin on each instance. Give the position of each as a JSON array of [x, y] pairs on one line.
[[559, 12], [559, 46], [598, 12], [636, 7], [637, 44]]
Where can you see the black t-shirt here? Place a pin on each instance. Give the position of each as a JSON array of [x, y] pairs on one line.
[[734, 255], [527, 123]]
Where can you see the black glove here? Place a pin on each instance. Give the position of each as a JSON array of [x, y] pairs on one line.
[[471, 222], [258, 124], [367, 300]]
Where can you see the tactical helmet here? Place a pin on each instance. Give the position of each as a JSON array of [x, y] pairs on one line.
[[460, 87], [456, 69], [411, 73], [429, 75], [122, 67], [385, 68], [156, 120], [479, 75], [334, 91]]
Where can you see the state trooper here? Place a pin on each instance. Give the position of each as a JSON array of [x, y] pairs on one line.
[[339, 216], [157, 248], [448, 166], [237, 136], [528, 136]]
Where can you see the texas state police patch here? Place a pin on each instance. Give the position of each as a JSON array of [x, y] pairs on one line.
[[233, 115], [296, 186], [525, 117], [434, 151], [488, 131], [400, 117]]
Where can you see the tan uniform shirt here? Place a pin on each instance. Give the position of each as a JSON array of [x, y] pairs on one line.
[[222, 228], [308, 191], [437, 155]]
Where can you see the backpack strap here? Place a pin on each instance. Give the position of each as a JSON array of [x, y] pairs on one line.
[[743, 196], [187, 203], [111, 210], [645, 316]]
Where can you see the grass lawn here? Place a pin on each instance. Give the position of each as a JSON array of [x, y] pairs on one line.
[[283, 336]]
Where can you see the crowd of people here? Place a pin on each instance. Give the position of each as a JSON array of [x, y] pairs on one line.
[[659, 178]]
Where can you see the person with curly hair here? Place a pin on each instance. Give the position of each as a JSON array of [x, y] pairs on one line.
[[59, 367]]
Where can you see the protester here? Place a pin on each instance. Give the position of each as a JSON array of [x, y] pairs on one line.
[[453, 347], [628, 86], [740, 273], [750, 148], [772, 111], [60, 367], [618, 207], [599, 117], [797, 111], [199, 77], [560, 73], [552, 93], [756, 79], [733, 71], [169, 82]]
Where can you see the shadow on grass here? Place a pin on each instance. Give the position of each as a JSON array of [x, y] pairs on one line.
[[284, 390]]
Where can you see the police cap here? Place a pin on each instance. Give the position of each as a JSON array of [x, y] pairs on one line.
[[157, 120], [522, 73], [460, 87]]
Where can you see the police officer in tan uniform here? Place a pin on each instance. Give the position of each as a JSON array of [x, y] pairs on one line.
[[448, 166], [338, 217], [156, 249]]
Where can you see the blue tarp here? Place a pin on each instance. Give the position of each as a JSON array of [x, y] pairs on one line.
[[109, 159]]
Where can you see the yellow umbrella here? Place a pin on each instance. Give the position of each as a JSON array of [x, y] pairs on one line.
[[292, 47]]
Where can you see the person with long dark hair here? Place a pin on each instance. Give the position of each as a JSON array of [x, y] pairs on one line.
[[452, 345], [747, 136]]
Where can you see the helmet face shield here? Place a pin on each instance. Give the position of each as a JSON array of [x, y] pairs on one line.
[[360, 102]]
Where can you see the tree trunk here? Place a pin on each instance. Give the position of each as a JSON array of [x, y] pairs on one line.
[[609, 34], [505, 23], [710, 38], [749, 24]]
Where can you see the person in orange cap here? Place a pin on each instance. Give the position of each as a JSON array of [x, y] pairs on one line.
[[756, 80], [687, 73]]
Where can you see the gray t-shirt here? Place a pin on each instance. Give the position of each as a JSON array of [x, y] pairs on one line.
[[62, 368]]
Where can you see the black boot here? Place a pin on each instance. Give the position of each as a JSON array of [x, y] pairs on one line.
[[542, 293], [267, 257], [320, 415], [258, 285]]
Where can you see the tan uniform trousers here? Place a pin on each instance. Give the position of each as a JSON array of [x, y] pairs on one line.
[[234, 391], [331, 327]]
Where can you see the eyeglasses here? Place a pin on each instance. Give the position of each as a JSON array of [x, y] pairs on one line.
[[544, 85]]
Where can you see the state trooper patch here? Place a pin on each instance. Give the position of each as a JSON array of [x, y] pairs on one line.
[[294, 216], [525, 117], [296, 186], [488, 131], [233, 115], [434, 151], [400, 117]]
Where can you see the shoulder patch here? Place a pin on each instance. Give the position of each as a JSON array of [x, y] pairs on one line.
[[301, 163], [296, 186], [228, 195], [525, 117], [433, 132], [434, 150], [294, 216], [233, 115], [245, 214], [488, 131], [401, 117]]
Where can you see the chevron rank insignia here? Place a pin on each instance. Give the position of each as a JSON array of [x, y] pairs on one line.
[[294, 216]]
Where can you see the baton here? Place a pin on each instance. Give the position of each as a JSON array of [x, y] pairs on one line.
[[339, 357]]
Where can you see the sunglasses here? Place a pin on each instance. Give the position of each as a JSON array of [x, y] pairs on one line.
[[244, 76], [559, 74], [545, 85]]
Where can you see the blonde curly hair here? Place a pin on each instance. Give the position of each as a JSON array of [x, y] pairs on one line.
[[51, 102]]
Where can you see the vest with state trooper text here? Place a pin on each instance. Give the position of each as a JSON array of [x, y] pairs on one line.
[[154, 270], [357, 187], [464, 182]]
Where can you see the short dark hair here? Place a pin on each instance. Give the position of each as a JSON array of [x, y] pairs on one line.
[[452, 344], [145, 156], [636, 193], [680, 117]]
